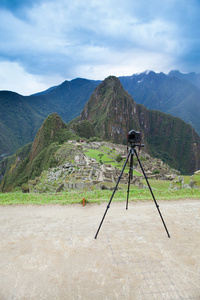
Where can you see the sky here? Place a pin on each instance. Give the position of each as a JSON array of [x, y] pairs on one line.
[[45, 42]]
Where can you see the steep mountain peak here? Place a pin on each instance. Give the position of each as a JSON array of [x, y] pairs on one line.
[[46, 134], [146, 72], [111, 110], [112, 113], [110, 84], [111, 80], [174, 73]]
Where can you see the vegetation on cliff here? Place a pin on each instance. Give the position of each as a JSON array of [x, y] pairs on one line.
[[22, 116], [30, 160], [109, 115], [112, 113]]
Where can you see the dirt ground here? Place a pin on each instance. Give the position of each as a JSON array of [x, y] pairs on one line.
[[49, 252]]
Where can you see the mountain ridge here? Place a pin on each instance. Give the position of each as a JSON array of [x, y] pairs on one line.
[[171, 94], [109, 114], [30, 160], [22, 116], [113, 113]]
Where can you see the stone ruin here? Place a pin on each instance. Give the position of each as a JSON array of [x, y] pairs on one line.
[[179, 183], [85, 172]]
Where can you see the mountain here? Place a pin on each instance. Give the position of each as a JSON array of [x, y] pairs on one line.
[[22, 116], [19, 122], [112, 113], [194, 78], [176, 94], [109, 114], [67, 99], [30, 160]]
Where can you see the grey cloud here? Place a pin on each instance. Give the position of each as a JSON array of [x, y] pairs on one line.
[[64, 37]]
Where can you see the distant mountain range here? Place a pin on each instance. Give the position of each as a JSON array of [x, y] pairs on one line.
[[21, 116], [109, 114], [176, 94]]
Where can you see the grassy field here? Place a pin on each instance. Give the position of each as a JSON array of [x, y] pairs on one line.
[[95, 196], [160, 189], [158, 184], [105, 156]]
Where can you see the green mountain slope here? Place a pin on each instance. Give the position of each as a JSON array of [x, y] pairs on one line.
[[22, 116], [67, 99], [108, 110], [109, 114], [19, 122], [29, 161], [112, 113]]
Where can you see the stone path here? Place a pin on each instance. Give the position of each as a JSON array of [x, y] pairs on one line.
[[49, 252]]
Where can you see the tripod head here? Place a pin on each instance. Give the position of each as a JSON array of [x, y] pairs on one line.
[[133, 145]]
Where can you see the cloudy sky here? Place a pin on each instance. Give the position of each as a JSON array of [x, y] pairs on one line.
[[44, 42]]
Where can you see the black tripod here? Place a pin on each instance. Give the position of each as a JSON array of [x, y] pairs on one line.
[[131, 152]]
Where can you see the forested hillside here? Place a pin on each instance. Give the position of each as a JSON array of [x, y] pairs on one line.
[[22, 116], [111, 112]]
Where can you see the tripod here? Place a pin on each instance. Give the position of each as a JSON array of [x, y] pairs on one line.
[[131, 153]]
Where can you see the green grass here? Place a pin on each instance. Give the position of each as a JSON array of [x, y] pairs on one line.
[[158, 184], [196, 178], [186, 179], [95, 196], [93, 153], [108, 159]]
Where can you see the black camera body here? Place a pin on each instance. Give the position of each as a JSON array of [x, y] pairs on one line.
[[134, 137]]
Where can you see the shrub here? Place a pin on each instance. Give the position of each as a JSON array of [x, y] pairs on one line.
[[156, 172], [119, 158]]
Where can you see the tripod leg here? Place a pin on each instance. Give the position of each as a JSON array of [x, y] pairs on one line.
[[113, 193], [129, 178], [157, 206]]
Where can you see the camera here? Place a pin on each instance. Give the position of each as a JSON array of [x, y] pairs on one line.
[[134, 137]]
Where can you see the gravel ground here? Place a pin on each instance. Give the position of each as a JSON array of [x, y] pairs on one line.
[[49, 252]]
